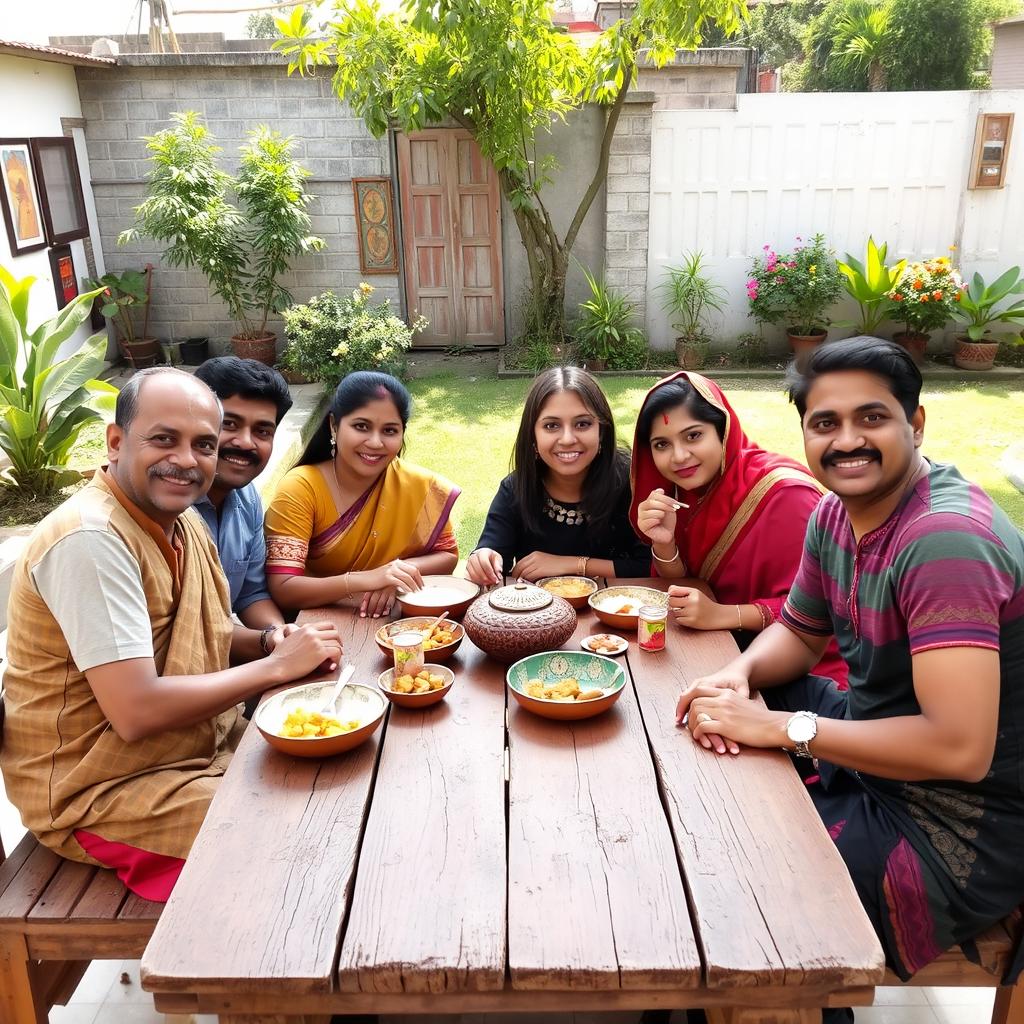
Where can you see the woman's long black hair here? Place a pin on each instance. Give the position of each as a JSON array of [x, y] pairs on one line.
[[607, 475], [356, 390]]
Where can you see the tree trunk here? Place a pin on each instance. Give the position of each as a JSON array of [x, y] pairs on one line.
[[878, 77]]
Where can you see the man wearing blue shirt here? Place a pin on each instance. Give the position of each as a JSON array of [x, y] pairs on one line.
[[255, 399]]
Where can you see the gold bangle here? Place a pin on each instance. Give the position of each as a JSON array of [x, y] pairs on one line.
[[344, 579], [739, 617], [583, 565], [665, 561]]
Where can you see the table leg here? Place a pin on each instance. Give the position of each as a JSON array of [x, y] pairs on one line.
[[745, 1015], [20, 1000]]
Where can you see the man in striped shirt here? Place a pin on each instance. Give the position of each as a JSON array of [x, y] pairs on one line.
[[918, 770]]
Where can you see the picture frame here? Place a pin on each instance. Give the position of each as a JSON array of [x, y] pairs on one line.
[[19, 197], [60, 189], [375, 224], [65, 281], [991, 151]]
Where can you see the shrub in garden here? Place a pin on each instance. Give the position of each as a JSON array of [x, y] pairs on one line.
[[926, 295], [330, 336], [795, 288], [605, 334]]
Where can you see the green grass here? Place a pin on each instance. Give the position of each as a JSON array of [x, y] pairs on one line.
[[465, 431]]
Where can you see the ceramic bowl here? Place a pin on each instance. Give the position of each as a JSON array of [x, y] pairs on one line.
[[591, 670], [638, 595], [358, 703], [419, 622], [416, 700], [583, 583], [440, 595], [621, 644]]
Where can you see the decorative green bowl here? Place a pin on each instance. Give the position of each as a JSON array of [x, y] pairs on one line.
[[592, 671]]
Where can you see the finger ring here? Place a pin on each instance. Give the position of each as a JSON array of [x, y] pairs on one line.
[[703, 717]]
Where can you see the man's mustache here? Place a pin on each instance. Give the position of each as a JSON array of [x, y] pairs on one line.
[[238, 453], [857, 453], [185, 476]]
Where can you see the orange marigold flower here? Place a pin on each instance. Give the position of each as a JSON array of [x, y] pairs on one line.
[[924, 298], [937, 295], [918, 285], [896, 297]]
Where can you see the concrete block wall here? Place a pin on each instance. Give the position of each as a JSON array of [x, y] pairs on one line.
[[234, 93]]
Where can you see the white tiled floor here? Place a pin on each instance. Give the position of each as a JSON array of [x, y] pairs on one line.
[[110, 993]]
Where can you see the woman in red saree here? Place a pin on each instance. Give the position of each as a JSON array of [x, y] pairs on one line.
[[724, 517]]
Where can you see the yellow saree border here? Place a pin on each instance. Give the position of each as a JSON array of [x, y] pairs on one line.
[[746, 511]]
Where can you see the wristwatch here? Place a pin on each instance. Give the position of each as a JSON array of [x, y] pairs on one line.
[[801, 729]]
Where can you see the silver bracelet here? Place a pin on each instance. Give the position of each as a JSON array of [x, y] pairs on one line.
[[666, 561]]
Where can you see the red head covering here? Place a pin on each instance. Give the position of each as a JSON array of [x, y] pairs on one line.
[[729, 507]]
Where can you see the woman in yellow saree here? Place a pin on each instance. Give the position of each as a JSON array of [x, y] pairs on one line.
[[353, 518]]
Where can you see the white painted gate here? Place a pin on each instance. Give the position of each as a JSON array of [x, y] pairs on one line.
[[783, 165]]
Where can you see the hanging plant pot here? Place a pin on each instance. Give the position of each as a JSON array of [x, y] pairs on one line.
[[262, 348], [915, 342], [974, 355], [142, 353]]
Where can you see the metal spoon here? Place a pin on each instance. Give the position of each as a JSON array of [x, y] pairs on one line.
[[329, 706]]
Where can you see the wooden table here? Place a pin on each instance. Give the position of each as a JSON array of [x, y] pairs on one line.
[[474, 857]]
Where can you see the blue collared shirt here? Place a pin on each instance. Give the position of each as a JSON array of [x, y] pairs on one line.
[[238, 534]]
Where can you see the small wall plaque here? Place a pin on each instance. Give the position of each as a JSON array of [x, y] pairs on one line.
[[375, 221], [991, 150]]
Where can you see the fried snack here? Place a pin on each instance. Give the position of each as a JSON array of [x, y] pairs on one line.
[[422, 682], [440, 636], [567, 588], [590, 694], [564, 690], [604, 643], [303, 724]]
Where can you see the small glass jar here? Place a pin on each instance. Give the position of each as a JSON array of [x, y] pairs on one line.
[[408, 649], [650, 627]]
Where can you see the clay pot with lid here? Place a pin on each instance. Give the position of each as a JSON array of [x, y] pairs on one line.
[[518, 620]]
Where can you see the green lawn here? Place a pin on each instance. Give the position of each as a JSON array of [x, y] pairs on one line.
[[465, 430]]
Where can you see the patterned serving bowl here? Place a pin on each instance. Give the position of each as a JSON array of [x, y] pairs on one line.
[[418, 623], [441, 595], [606, 601], [591, 671], [511, 622], [356, 703], [386, 680], [574, 589]]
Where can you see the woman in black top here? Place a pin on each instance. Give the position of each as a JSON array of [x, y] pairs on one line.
[[563, 511]]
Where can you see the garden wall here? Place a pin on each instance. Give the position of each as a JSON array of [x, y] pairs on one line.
[[234, 92], [779, 166]]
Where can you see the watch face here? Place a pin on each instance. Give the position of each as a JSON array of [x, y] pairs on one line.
[[801, 729]]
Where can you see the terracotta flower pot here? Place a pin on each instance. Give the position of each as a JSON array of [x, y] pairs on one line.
[[974, 355], [691, 355], [915, 342], [802, 345], [142, 353], [262, 348]]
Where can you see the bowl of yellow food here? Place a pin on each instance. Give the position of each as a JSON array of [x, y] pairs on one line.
[[419, 691], [565, 685], [440, 645], [575, 589], [440, 595], [619, 606], [293, 721]]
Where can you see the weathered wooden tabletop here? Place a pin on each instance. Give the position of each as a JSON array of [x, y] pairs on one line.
[[475, 857]]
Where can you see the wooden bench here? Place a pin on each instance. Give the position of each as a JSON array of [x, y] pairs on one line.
[[56, 917]]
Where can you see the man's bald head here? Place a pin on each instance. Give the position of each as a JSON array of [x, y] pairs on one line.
[[170, 377]]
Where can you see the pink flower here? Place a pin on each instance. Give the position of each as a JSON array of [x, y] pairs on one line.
[[792, 265], [766, 248]]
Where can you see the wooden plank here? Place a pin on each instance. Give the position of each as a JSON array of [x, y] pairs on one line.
[[102, 900], [64, 890], [27, 885], [595, 895], [10, 867], [110, 940], [766, 882], [428, 910], [135, 908], [263, 895]]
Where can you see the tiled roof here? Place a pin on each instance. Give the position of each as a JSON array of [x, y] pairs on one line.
[[52, 53]]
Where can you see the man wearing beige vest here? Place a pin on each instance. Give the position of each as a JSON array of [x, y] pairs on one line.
[[124, 665]]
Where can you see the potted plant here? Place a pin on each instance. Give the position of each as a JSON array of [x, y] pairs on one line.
[[122, 294], [329, 337], [869, 284], [794, 289], [243, 257], [605, 335], [976, 307], [690, 297], [923, 301]]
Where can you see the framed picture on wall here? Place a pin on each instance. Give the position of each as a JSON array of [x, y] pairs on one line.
[[375, 222], [60, 189], [20, 197], [65, 283], [991, 150]]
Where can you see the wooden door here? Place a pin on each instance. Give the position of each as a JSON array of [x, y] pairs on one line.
[[451, 223]]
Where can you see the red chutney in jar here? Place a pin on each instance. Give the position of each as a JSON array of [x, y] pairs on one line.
[[650, 627]]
